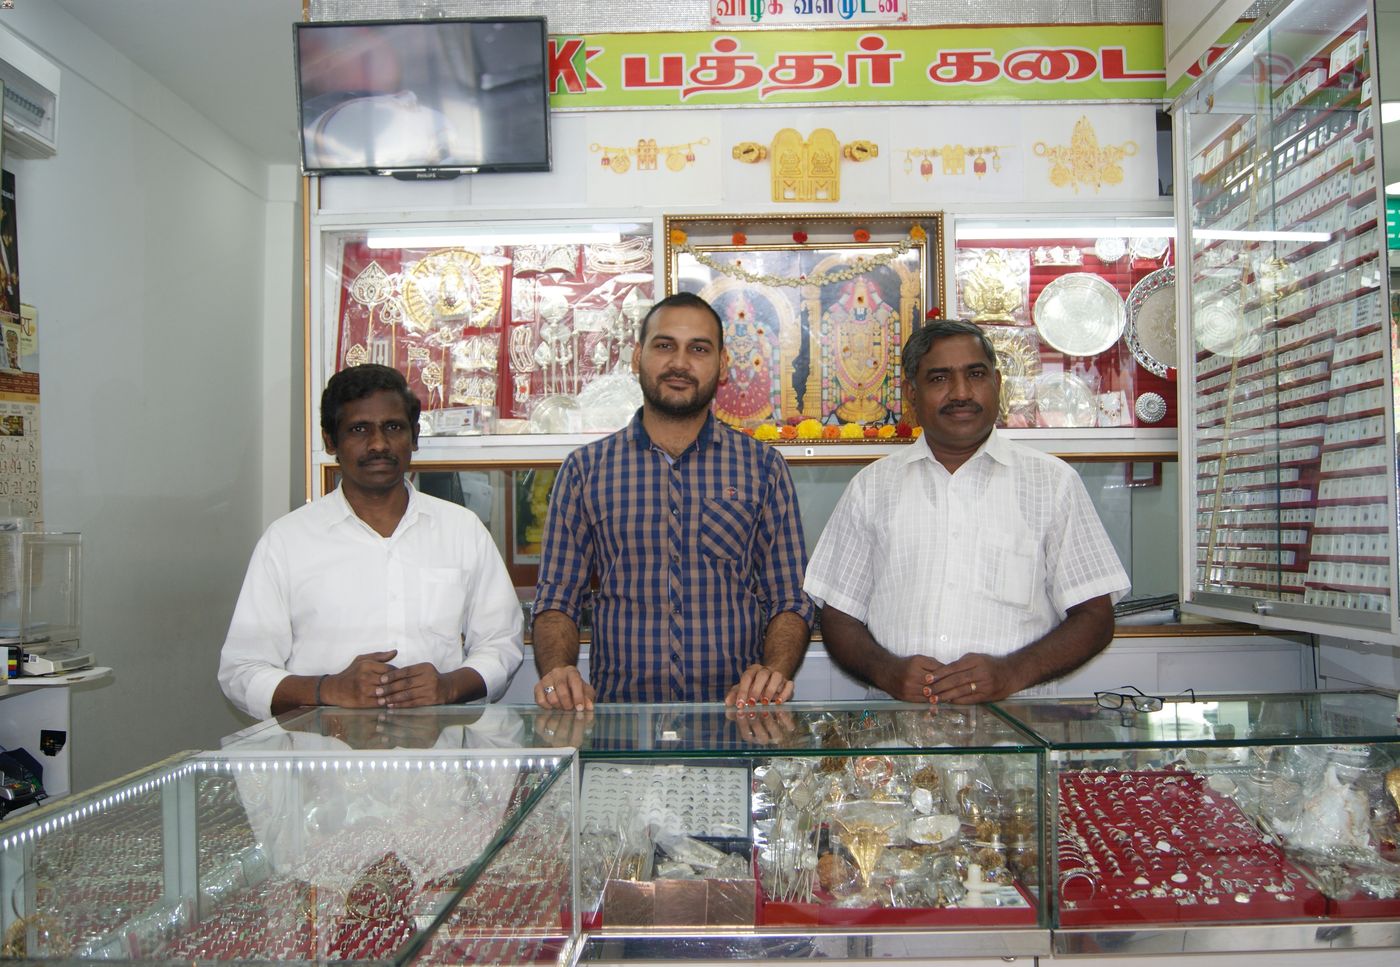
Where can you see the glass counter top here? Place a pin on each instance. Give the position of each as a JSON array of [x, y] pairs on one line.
[[672, 731], [268, 856], [1231, 720]]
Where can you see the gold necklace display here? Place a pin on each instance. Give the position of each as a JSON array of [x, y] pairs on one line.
[[450, 286], [1083, 161], [618, 159], [953, 159], [805, 169]]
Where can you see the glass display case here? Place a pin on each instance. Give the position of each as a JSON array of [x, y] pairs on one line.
[[319, 854], [1082, 315], [499, 328], [845, 831], [1289, 480], [1189, 812]]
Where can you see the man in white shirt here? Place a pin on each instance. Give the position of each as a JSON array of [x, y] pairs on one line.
[[375, 596], [967, 567]]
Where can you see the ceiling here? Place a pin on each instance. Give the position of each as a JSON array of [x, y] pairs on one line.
[[230, 59]]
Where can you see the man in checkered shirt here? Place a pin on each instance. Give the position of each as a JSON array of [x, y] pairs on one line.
[[967, 567], [692, 533]]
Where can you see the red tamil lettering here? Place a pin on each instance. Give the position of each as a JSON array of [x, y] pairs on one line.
[[729, 8], [1114, 61], [1031, 64], [802, 72], [724, 70], [637, 75], [964, 67], [880, 62]]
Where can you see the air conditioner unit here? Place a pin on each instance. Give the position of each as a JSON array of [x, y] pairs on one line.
[[31, 99]]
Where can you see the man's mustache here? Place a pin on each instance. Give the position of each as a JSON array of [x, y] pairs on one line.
[[954, 407]]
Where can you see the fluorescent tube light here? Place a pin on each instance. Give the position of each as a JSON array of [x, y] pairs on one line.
[[486, 238], [1212, 234]]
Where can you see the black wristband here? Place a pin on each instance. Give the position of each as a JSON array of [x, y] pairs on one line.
[[319, 682]]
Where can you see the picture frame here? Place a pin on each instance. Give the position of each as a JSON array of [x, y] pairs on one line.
[[815, 310]]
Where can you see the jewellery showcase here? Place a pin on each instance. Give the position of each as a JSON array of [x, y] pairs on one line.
[[542, 333]]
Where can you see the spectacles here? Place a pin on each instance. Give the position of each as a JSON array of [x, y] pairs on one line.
[[1137, 698]]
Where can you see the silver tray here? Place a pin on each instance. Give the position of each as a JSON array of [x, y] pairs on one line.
[[1219, 324], [1151, 331], [1150, 246], [1080, 314], [1063, 399]]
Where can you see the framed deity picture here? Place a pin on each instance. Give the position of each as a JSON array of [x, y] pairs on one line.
[[815, 311]]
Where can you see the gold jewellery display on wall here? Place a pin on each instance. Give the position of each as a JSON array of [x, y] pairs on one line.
[[1084, 162], [647, 155], [805, 170], [953, 159]]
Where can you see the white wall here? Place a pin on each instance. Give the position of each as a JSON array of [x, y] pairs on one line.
[[161, 275]]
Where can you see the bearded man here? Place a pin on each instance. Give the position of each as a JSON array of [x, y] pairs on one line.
[[683, 534]]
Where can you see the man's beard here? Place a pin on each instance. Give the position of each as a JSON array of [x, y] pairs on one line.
[[697, 402]]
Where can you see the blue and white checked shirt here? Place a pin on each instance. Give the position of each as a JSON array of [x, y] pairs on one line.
[[692, 559]]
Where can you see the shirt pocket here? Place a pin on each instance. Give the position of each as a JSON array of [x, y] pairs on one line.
[[444, 601], [726, 527], [1007, 569]]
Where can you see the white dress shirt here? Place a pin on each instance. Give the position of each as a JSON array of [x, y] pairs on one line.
[[986, 559], [323, 586]]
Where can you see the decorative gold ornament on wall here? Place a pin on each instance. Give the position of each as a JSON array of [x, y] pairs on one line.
[[805, 170], [648, 155], [1083, 161], [953, 158]]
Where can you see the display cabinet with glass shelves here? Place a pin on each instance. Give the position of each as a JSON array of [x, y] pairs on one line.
[[319, 854], [837, 830], [1221, 823], [1289, 486]]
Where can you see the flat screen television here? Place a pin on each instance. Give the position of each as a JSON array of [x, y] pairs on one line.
[[423, 98]]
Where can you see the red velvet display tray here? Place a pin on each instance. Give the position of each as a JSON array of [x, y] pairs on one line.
[[1224, 869]]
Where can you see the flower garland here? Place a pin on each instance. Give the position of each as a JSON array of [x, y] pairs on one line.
[[859, 267]]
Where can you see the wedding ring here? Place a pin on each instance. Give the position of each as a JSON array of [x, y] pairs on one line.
[[549, 689], [973, 686]]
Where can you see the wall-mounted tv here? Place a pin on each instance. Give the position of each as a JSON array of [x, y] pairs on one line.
[[423, 98]]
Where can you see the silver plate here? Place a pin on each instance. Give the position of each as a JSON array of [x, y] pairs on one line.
[[1110, 249], [1063, 399], [1219, 325], [1151, 331], [1150, 247], [1080, 314]]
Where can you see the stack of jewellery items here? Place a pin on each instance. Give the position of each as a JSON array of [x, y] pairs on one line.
[[89, 877], [332, 904], [509, 913], [562, 333], [1161, 845], [844, 837]]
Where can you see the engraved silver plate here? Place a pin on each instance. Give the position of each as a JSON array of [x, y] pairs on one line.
[[1080, 314], [1151, 333]]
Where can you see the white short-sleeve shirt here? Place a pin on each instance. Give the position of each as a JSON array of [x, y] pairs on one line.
[[323, 586], [986, 559]]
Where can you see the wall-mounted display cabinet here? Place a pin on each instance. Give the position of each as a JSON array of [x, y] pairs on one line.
[[1288, 449], [541, 318]]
